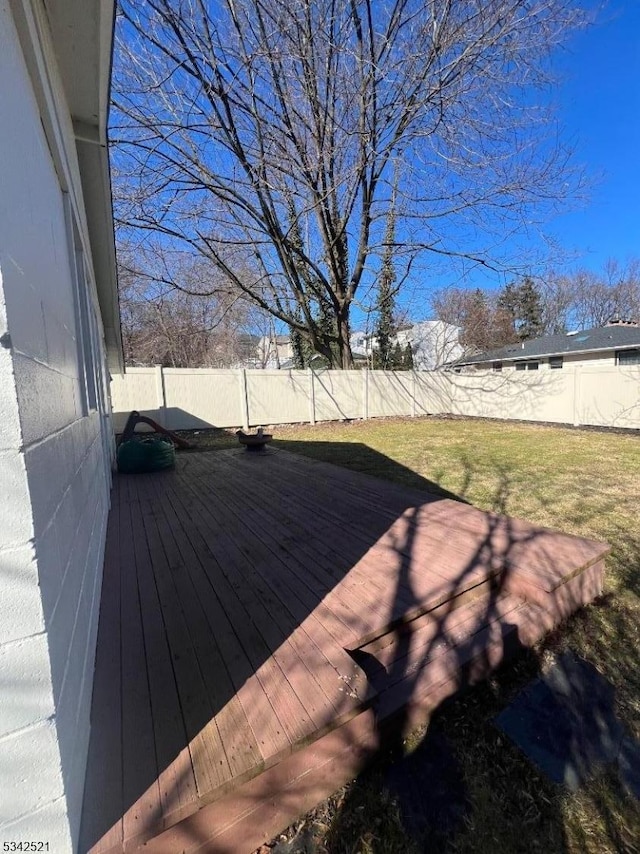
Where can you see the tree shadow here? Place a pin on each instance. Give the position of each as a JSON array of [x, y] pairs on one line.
[[498, 801], [472, 660], [187, 594]]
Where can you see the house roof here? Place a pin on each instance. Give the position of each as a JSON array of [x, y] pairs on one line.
[[600, 338], [82, 35]]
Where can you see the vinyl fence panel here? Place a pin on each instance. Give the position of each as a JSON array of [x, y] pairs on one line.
[[599, 395]]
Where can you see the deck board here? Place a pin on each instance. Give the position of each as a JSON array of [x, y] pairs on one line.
[[141, 790], [234, 589], [181, 636], [176, 775], [103, 802]]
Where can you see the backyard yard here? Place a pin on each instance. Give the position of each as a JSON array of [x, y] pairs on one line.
[[486, 797]]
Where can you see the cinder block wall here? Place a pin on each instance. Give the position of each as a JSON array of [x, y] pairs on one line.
[[55, 473]]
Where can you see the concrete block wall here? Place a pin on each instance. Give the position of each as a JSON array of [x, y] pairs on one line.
[[55, 476]]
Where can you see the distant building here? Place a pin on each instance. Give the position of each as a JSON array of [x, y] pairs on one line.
[[274, 351], [616, 343], [264, 352], [434, 343]]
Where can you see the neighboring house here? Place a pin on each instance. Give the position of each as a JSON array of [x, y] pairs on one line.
[[274, 351], [434, 343], [59, 331], [617, 343], [264, 352]]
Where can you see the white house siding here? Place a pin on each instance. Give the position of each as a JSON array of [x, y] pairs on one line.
[[53, 447], [603, 358]]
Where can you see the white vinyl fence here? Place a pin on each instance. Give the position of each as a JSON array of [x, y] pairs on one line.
[[184, 399]]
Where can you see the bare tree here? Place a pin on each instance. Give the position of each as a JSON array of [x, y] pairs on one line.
[[579, 300], [263, 135], [184, 325], [484, 324], [587, 298]]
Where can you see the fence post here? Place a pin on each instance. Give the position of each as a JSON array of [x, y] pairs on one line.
[[160, 395], [576, 396], [413, 393], [312, 397], [365, 394], [244, 399]]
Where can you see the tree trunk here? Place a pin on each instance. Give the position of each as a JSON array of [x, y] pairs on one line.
[[345, 356]]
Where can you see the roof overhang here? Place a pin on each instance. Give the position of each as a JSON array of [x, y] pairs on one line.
[[524, 357], [82, 33]]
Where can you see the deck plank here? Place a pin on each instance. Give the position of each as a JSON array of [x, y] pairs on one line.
[[141, 791], [176, 774], [246, 655], [265, 634], [317, 663], [296, 571], [199, 730], [103, 802], [209, 693]]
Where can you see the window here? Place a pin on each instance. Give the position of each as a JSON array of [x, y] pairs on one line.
[[521, 366], [555, 361], [628, 357], [83, 311], [527, 366], [497, 366]]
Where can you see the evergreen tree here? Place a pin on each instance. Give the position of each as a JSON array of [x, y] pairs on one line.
[[396, 361], [326, 325], [530, 323], [386, 299], [303, 352], [507, 308], [520, 307], [408, 358]]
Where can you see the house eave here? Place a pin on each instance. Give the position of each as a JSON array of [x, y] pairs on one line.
[[527, 358], [82, 35]]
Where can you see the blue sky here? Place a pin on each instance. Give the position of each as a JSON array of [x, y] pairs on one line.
[[600, 109], [598, 100]]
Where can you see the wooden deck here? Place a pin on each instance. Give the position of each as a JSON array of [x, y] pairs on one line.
[[267, 619]]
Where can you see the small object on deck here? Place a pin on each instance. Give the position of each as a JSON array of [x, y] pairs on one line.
[[145, 453], [254, 441], [135, 418]]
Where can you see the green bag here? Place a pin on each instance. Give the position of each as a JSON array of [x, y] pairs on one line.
[[145, 454]]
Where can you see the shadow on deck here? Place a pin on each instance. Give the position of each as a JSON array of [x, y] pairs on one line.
[[269, 620]]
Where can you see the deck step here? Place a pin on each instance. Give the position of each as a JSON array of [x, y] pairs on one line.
[[444, 651]]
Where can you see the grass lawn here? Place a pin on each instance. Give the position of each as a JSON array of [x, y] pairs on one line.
[[579, 481]]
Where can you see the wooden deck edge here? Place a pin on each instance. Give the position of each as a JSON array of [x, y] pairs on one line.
[[231, 788], [241, 821], [516, 580], [531, 626], [533, 578], [481, 591], [253, 814], [580, 589]]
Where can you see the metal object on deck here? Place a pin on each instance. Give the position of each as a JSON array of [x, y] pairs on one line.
[[254, 441]]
